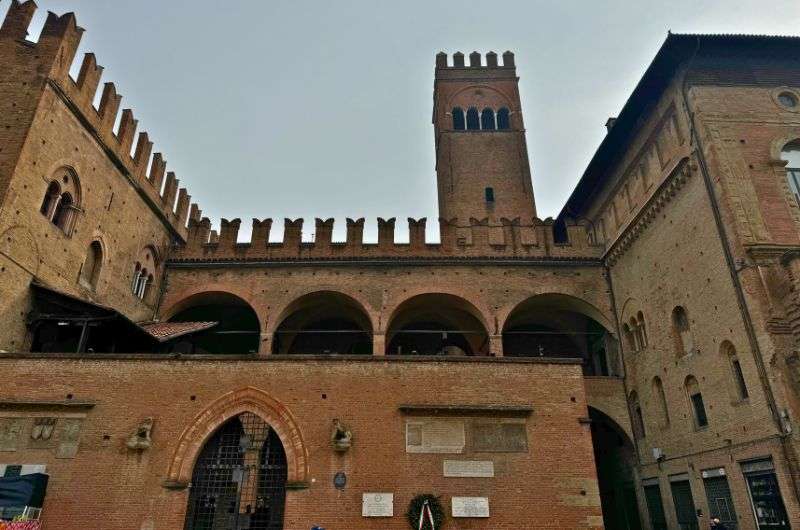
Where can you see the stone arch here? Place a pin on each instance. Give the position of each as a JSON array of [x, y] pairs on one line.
[[479, 310], [227, 406], [450, 307], [176, 302], [561, 325], [777, 145], [289, 300], [498, 99], [303, 324]]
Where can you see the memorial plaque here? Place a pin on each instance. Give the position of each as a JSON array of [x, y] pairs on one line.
[[499, 437], [10, 431], [69, 437], [432, 435], [469, 468], [377, 505], [470, 506]]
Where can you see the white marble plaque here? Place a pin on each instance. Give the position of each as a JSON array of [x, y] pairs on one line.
[[469, 468], [470, 506], [377, 505]]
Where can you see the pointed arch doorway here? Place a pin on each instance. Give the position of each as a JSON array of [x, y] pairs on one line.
[[239, 478]]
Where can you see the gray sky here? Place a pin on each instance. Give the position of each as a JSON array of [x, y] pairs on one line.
[[323, 109]]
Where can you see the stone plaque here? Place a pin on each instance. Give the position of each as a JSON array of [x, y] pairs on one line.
[[470, 506], [10, 431], [377, 505], [432, 435], [42, 434], [499, 437], [68, 438], [469, 468]]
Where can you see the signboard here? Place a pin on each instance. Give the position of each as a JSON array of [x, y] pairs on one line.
[[377, 505], [469, 468], [470, 506]]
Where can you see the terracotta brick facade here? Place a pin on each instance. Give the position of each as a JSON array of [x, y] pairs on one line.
[[671, 273]]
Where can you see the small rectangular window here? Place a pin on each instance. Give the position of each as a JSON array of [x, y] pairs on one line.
[[739, 376], [699, 410], [489, 194]]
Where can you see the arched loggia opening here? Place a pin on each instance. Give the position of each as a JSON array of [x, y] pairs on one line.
[[436, 324], [324, 322], [237, 329], [239, 478], [614, 456], [556, 325]]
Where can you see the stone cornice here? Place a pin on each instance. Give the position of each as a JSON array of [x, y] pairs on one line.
[[666, 191]]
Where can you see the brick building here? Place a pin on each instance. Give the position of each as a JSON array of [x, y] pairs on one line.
[[630, 364]]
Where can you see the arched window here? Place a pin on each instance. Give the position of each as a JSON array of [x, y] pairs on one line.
[[696, 402], [90, 272], [682, 334], [487, 120], [50, 200], [661, 399], [729, 353], [141, 285], [629, 337], [503, 121], [137, 273], [63, 212], [473, 119], [637, 340], [791, 153], [458, 119], [638, 417], [642, 328]]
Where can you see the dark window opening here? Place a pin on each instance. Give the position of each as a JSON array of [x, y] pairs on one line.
[[238, 330], [487, 120], [503, 121], [699, 410], [473, 119], [458, 119], [50, 199], [739, 376], [489, 193], [63, 212]]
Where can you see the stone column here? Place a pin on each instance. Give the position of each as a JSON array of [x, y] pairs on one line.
[[496, 345], [378, 344]]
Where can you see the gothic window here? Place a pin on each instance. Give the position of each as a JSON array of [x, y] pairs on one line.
[[638, 417], [143, 273], [62, 200], [642, 328], [503, 121], [637, 341], [487, 120], [50, 201], [458, 119], [629, 338], [473, 119], [791, 153], [90, 272], [681, 331], [660, 397], [729, 352], [696, 402]]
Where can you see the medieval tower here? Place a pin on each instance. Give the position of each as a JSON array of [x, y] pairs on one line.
[[482, 164]]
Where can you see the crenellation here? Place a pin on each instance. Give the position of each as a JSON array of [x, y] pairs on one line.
[[259, 237], [170, 192], [386, 232], [475, 60], [54, 53], [89, 78], [480, 238], [126, 132], [182, 207], [18, 20]]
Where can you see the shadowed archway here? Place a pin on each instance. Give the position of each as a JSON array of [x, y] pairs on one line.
[[436, 324], [324, 322]]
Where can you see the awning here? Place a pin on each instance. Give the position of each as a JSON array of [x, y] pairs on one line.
[[164, 331], [59, 309], [23, 490]]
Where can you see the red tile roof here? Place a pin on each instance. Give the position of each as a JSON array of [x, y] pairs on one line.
[[164, 331]]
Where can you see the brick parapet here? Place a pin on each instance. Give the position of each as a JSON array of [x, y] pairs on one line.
[[477, 238]]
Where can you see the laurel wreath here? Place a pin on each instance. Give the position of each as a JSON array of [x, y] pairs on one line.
[[415, 508]]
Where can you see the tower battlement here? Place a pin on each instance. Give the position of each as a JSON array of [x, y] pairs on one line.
[[476, 61], [52, 57], [475, 238]]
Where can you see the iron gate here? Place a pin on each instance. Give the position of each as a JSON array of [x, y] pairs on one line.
[[239, 479], [684, 505], [655, 506]]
